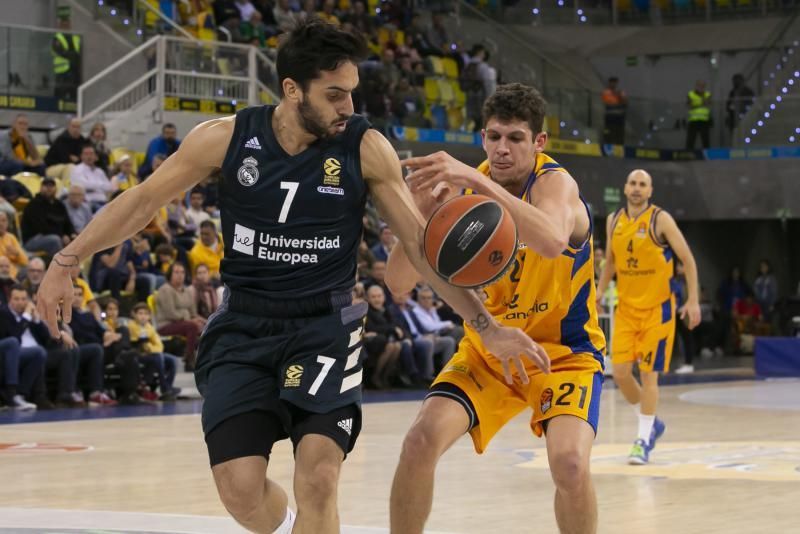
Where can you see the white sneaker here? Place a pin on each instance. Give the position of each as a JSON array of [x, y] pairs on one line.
[[706, 353], [288, 523], [19, 404], [684, 369], [718, 352]]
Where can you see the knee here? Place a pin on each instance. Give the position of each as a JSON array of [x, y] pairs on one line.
[[317, 484], [570, 470], [420, 447], [242, 496]]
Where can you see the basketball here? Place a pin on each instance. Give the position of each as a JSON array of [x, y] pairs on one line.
[[470, 241]]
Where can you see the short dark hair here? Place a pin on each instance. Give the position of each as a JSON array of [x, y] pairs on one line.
[[172, 268], [113, 301], [19, 287], [315, 46], [197, 191], [168, 125], [515, 101], [140, 306], [208, 224]]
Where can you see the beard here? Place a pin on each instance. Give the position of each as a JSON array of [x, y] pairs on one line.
[[311, 121]]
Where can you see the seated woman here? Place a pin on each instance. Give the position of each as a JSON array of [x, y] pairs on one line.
[[176, 312]]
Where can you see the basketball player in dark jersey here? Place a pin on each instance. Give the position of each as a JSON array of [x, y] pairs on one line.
[[282, 356]]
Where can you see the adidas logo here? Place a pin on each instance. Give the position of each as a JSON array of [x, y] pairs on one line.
[[253, 143], [346, 425]]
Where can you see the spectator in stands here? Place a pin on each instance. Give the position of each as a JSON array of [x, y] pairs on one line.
[[97, 138], [167, 143], [46, 226], [89, 302], [378, 277], [359, 18], [33, 275], [732, 289], [599, 259], [389, 72], [327, 13], [65, 150], [247, 11], [699, 103], [80, 213], [208, 250], [309, 10], [92, 178], [387, 242], [22, 366], [21, 320], [149, 344], [440, 348], [740, 99], [364, 261], [285, 18], [438, 36], [195, 213], [10, 247], [7, 208], [210, 188], [204, 291], [143, 263], [429, 319], [121, 354], [196, 16], [381, 341], [18, 152], [123, 176], [113, 270], [408, 104], [7, 281], [182, 230], [749, 316], [616, 104], [87, 330], [765, 290], [145, 172], [176, 312], [478, 81]]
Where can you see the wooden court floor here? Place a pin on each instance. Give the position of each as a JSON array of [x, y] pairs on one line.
[[728, 462]]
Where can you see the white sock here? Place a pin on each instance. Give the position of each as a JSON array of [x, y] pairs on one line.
[[646, 426], [288, 523]]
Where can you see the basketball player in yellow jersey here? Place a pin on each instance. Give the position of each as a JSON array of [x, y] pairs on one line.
[[642, 242], [549, 293]]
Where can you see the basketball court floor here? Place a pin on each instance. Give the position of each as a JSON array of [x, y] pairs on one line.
[[729, 462]]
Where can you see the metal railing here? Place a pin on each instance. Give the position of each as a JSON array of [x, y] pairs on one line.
[[172, 67]]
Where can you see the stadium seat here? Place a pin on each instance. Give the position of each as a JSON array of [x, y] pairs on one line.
[[460, 96], [446, 94], [431, 90], [450, 68], [31, 180], [456, 117], [439, 117], [435, 63]]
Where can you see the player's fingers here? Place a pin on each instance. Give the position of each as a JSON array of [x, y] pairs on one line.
[[47, 312], [539, 358], [507, 371], [523, 374], [419, 161]]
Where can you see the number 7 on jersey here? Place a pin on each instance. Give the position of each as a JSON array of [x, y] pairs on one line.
[[291, 188]]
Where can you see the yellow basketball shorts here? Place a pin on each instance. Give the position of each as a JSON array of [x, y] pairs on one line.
[[573, 387], [644, 336]]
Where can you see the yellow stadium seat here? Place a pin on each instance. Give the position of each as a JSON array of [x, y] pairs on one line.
[[140, 157], [446, 94], [31, 180], [460, 97], [42, 150], [436, 65], [151, 303], [624, 5], [456, 116], [431, 90], [450, 68]]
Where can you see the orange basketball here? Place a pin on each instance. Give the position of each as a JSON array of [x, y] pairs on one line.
[[470, 241]]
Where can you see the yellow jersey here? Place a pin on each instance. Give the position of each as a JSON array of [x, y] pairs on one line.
[[550, 299], [644, 265]]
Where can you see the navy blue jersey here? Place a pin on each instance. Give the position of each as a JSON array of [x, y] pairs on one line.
[[291, 224]]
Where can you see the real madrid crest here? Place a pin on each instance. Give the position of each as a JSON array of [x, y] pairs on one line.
[[248, 172]]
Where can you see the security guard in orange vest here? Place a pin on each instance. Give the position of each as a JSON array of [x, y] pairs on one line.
[[699, 102]]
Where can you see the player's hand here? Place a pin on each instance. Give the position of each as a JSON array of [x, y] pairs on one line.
[[692, 311], [510, 345], [54, 298], [68, 340], [428, 171]]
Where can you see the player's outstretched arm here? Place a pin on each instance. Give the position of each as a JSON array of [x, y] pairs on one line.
[[608, 268], [668, 231], [381, 169], [202, 151]]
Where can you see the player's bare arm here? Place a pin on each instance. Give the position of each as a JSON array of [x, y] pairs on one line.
[[202, 151], [546, 226], [669, 232], [608, 268], [401, 276], [381, 169]]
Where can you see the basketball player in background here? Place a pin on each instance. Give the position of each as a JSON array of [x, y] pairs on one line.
[[549, 293], [642, 240], [282, 356]]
